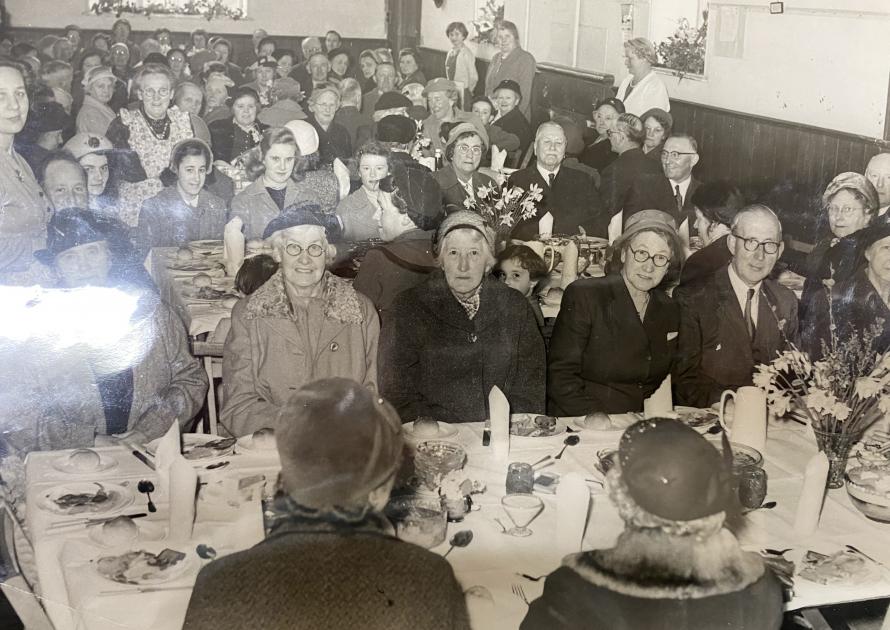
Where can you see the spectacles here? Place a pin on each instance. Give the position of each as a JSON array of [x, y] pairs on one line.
[[641, 256], [845, 211], [751, 244], [463, 149], [612, 132], [674, 155], [293, 249], [152, 93]]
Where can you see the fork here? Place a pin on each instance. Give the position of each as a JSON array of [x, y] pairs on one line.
[[517, 590]]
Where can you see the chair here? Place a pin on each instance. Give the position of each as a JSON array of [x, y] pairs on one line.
[[210, 351], [16, 586]]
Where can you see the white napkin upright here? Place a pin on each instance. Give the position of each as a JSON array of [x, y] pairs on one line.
[[178, 481], [569, 264], [233, 246], [498, 157], [616, 226], [572, 506], [545, 226], [661, 402], [809, 508], [499, 414]]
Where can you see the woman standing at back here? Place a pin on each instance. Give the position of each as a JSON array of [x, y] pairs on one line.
[[512, 62]]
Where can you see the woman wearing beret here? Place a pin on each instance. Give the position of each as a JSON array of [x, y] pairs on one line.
[[675, 566], [514, 63], [303, 324], [449, 340], [716, 204], [624, 316]]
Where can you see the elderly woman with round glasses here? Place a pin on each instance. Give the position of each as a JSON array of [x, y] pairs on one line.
[[460, 179], [625, 316], [302, 325], [448, 341]]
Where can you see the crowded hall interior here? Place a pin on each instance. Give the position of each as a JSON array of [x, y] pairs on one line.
[[444, 314]]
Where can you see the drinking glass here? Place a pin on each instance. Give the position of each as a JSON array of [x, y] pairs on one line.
[[522, 510], [520, 478]]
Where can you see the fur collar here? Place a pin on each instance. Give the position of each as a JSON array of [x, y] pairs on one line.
[[341, 301]]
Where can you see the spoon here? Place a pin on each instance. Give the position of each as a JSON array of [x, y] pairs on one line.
[[460, 539], [778, 552], [569, 441], [147, 487], [766, 506], [206, 552], [503, 528]]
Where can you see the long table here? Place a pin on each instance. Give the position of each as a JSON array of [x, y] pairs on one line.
[[493, 560]]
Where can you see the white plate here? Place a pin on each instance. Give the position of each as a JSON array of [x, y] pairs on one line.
[[191, 293], [246, 443], [176, 571], [558, 430], [119, 497], [698, 419], [620, 421], [191, 440], [192, 265], [63, 464], [446, 432], [147, 531]]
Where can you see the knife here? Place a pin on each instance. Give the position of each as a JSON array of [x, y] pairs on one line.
[[100, 521], [142, 458], [486, 433]]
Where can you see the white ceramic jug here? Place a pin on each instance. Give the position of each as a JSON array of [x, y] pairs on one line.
[[749, 419]]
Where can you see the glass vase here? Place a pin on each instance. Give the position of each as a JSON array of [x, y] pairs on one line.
[[836, 446]]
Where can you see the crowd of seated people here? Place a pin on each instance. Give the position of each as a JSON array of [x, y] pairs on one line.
[[115, 149]]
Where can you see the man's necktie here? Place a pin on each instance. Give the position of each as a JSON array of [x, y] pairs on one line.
[[679, 197], [551, 176], [749, 320]]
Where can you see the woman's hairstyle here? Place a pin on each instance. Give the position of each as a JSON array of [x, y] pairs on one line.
[[642, 48], [527, 258], [632, 127], [333, 54], [460, 27], [254, 273], [161, 31], [370, 54], [482, 99], [280, 53], [450, 147], [122, 22], [322, 89], [242, 92], [350, 92], [59, 155], [264, 41], [153, 68], [224, 42], [718, 201], [277, 135], [93, 52], [182, 150], [196, 32], [373, 147], [410, 52], [506, 25], [175, 51], [664, 119]]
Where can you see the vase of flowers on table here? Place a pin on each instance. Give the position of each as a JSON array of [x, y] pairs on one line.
[[841, 394], [503, 207]]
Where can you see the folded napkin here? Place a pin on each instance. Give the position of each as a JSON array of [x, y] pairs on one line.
[[661, 402], [499, 413], [498, 157], [616, 226], [569, 264], [809, 508], [233, 246], [545, 225], [179, 481], [572, 504]]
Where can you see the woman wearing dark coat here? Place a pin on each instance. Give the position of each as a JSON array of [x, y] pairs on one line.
[[333, 138], [231, 137], [615, 337], [716, 204], [599, 154], [448, 341]]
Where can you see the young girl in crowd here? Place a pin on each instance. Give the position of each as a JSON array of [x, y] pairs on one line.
[[522, 269]]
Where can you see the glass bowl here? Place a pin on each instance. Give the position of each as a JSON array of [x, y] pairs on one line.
[[418, 519], [869, 491], [434, 459]]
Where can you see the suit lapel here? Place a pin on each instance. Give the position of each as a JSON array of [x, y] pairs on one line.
[[729, 311]]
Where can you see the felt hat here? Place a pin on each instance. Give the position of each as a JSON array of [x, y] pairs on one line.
[[302, 213], [464, 220], [73, 227], [267, 62], [395, 128], [98, 73], [463, 127], [673, 472], [647, 220], [392, 100], [305, 135], [45, 117], [664, 119], [508, 84], [423, 200], [439, 85], [337, 442], [82, 144], [614, 103]]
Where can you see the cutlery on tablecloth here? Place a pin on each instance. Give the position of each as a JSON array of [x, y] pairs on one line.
[[503, 527], [460, 539], [89, 522], [101, 521], [146, 589], [532, 577], [541, 461], [569, 441], [520, 593], [865, 555], [146, 487]]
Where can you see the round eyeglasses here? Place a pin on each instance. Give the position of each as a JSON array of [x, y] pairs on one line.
[[464, 149], [675, 155], [751, 244], [845, 211], [293, 249], [641, 256], [153, 93]]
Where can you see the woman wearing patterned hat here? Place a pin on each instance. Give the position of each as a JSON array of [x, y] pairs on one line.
[[675, 566]]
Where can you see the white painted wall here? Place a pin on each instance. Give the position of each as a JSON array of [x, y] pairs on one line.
[[352, 18], [822, 62]]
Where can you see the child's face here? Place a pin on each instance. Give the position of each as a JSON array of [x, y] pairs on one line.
[[515, 277]]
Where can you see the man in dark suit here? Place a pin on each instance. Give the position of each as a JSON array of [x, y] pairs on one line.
[[737, 317], [569, 195], [678, 157], [653, 192]]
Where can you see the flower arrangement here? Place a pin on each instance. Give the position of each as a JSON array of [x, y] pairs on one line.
[[486, 22], [209, 9], [504, 207], [684, 51]]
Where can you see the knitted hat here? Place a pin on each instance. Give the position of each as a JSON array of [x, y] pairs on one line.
[[392, 100], [395, 128], [306, 213], [464, 220], [82, 144], [475, 127], [854, 182], [305, 135], [337, 442], [673, 472]]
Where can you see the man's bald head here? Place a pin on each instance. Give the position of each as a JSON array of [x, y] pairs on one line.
[[878, 173]]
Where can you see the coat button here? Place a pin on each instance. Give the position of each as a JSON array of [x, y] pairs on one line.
[[472, 337], [334, 346]]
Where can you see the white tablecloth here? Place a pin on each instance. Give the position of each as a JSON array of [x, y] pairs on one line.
[[492, 559]]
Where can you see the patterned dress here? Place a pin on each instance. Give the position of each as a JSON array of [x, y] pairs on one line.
[[154, 153]]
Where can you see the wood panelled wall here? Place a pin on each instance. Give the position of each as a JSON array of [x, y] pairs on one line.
[[783, 164]]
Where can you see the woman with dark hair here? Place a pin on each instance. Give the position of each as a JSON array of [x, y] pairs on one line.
[[460, 63], [513, 63], [367, 63], [358, 212], [625, 315], [178, 63], [341, 64], [599, 154], [657, 124], [333, 139], [716, 204], [234, 136], [184, 211], [409, 68], [273, 190]]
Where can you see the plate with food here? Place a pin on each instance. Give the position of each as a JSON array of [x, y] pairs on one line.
[[208, 294], [698, 419], [210, 246], [841, 567], [428, 429], [84, 461], [71, 499], [123, 531], [200, 446], [143, 568], [873, 451], [531, 425], [600, 421], [260, 441]]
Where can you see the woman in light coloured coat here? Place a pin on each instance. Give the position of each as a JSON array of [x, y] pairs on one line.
[[460, 64], [303, 324]]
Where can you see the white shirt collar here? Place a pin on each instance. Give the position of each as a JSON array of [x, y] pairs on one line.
[[684, 186], [740, 288], [545, 173]]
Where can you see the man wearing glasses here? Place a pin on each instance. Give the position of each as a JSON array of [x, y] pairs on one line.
[[679, 156], [737, 317]]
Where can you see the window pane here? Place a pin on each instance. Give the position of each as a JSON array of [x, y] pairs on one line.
[[552, 30]]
